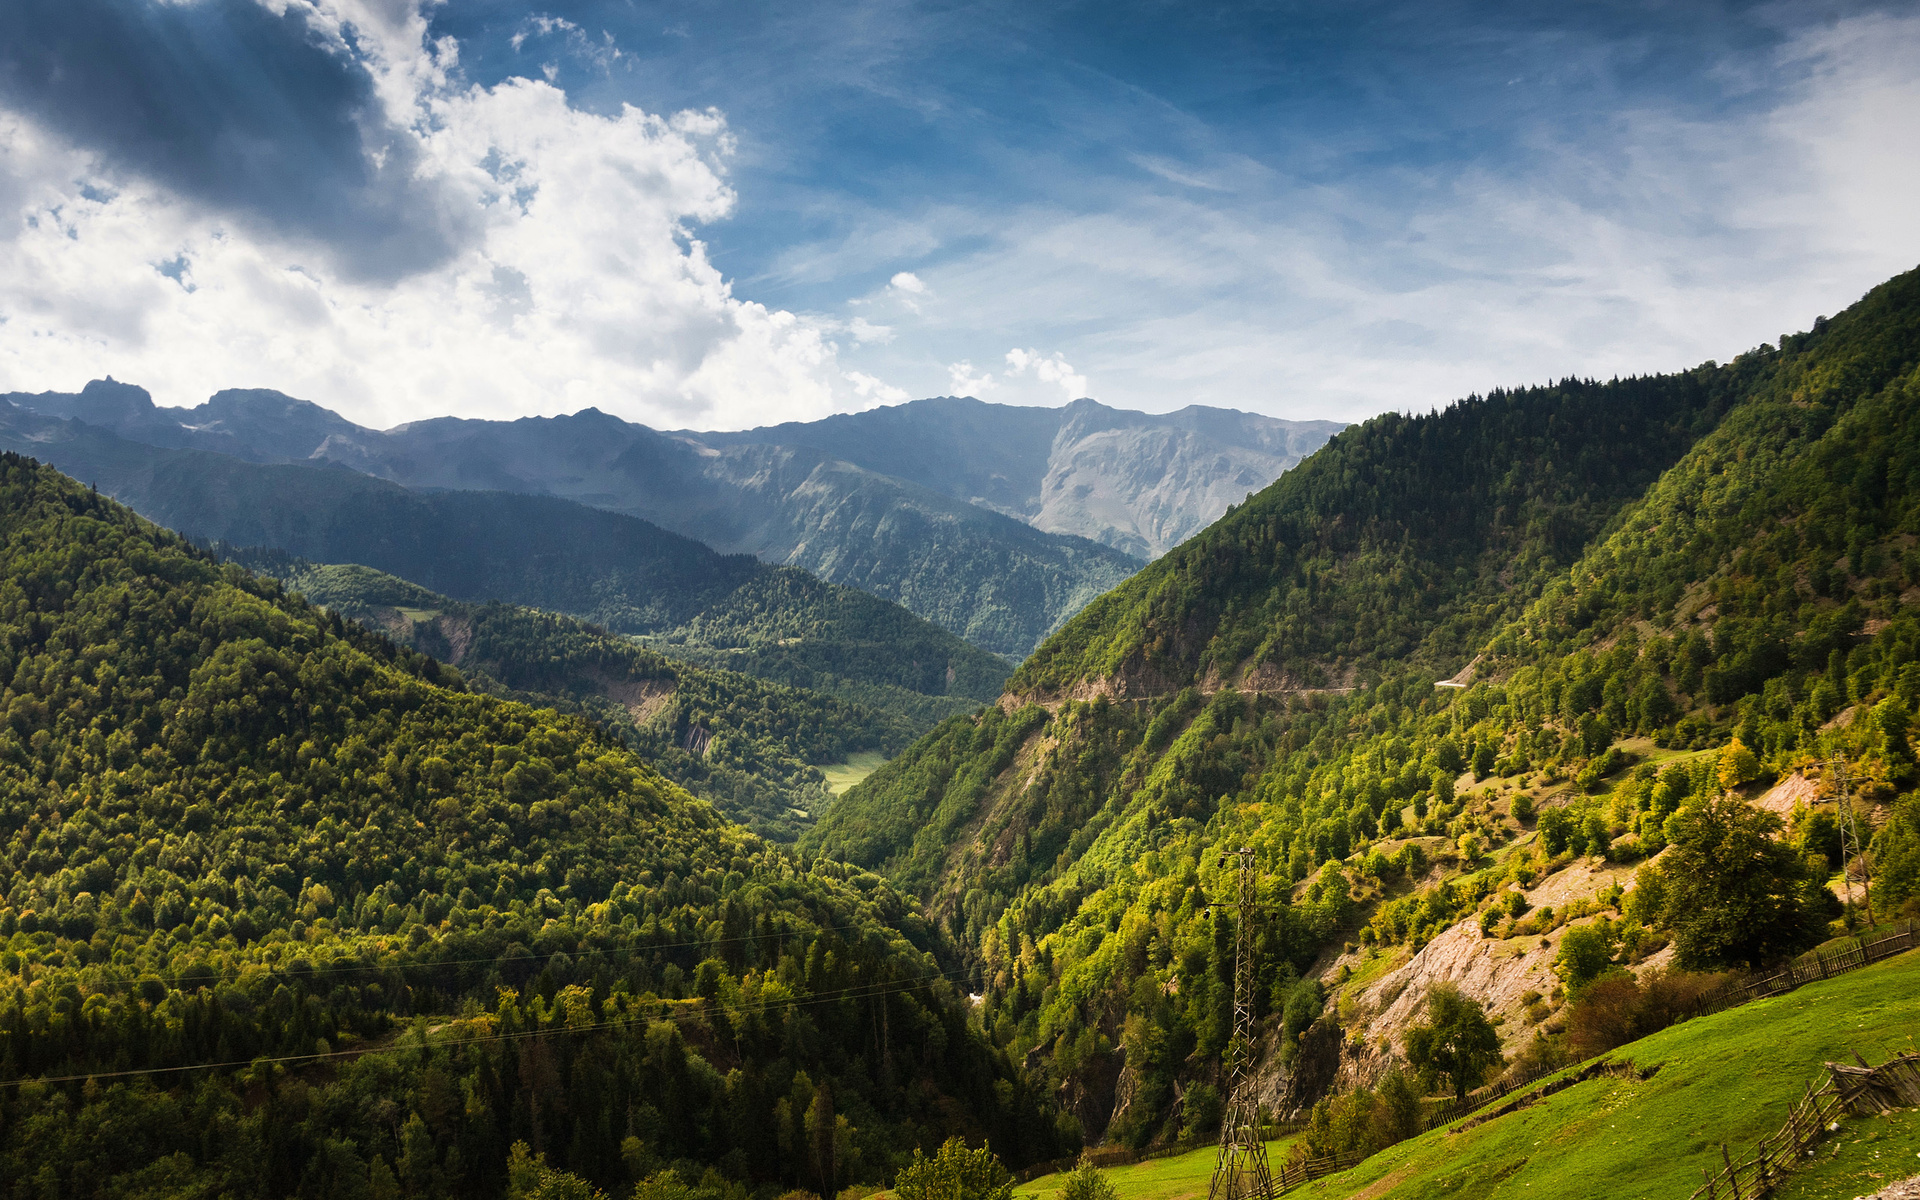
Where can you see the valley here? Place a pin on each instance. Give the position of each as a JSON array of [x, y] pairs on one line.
[[480, 842]]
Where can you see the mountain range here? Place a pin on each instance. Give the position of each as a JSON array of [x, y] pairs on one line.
[[1536, 721], [910, 503], [1431, 676], [620, 572]]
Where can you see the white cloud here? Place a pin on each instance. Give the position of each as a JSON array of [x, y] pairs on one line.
[[1048, 369], [869, 388], [965, 383], [1650, 241], [907, 281], [864, 331], [583, 284]]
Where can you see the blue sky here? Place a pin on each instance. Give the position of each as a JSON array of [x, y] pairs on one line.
[[716, 215]]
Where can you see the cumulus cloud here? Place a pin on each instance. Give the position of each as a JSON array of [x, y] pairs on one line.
[[907, 281], [1047, 369], [430, 246], [965, 382], [869, 388]]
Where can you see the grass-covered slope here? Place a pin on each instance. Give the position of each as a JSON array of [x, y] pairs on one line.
[[622, 573], [1730, 1077], [752, 748], [1758, 588], [234, 827]]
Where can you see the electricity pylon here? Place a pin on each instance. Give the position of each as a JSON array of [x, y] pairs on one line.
[[1240, 1172], [1850, 842]]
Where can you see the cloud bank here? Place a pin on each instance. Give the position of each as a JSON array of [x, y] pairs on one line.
[[307, 196]]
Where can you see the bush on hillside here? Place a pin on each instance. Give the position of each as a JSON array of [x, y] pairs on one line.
[[1617, 1009], [955, 1172], [1586, 954], [1087, 1182]]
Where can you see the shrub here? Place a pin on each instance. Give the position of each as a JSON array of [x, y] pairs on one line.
[[1200, 1113], [954, 1173], [1586, 952], [1088, 1182], [1618, 1009]]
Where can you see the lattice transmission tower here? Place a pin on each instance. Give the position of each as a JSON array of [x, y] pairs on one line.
[[1240, 1172], [1850, 847]]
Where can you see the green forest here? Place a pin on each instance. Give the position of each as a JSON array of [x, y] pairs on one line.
[[291, 910], [751, 747], [621, 573], [1719, 562], [326, 881]]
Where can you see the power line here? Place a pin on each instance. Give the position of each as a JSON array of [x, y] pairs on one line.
[[861, 992]]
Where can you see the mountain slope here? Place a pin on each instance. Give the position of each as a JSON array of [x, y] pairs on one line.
[[1272, 684], [1139, 482], [751, 748], [234, 828], [619, 572], [1404, 540], [989, 578]]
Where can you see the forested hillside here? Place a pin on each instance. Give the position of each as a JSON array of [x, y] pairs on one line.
[[975, 572], [619, 572], [244, 836], [1719, 560], [751, 747]]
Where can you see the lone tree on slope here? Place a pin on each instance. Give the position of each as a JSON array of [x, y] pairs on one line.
[[1457, 1043]]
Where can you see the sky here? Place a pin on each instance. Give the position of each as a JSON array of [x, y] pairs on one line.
[[714, 215]]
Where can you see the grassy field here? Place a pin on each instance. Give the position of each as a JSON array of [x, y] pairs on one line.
[[841, 776], [1182, 1178], [1866, 1155], [1727, 1077]]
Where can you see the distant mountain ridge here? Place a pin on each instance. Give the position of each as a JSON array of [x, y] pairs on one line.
[[1139, 482], [993, 521], [618, 571]]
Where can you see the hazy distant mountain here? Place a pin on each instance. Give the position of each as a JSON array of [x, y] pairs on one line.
[[626, 574], [1139, 482], [995, 522]]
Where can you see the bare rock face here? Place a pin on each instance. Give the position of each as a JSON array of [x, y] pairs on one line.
[[1316, 1067], [1496, 972], [1143, 483]]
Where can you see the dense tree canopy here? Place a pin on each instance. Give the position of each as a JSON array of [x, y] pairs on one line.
[[235, 828], [1727, 583]]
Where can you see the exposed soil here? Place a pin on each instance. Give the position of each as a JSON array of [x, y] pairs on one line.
[[1906, 1189]]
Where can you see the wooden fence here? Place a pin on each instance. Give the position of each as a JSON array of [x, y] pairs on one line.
[[1862, 1089], [1293, 1174], [1829, 961]]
